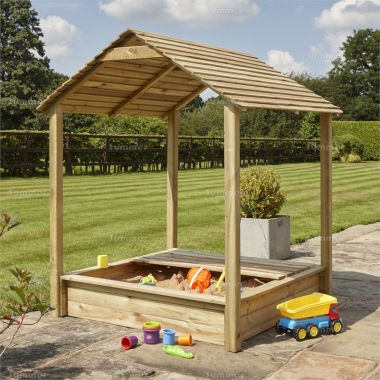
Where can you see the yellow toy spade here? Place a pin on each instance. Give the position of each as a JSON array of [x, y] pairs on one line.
[[221, 278]]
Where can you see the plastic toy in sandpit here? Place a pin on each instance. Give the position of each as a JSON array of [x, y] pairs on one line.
[[221, 278], [148, 280], [199, 277]]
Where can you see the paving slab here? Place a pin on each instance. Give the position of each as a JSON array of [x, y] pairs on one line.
[[360, 341], [320, 366], [210, 361]]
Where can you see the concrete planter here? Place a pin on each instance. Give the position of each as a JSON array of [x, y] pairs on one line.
[[265, 238]]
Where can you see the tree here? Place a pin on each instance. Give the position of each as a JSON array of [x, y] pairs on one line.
[[310, 126], [356, 74], [24, 67], [203, 121]]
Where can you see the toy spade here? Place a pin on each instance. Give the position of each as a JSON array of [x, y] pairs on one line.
[[221, 278], [177, 351]]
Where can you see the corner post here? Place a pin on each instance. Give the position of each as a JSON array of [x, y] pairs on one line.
[[56, 205], [172, 180], [326, 199], [232, 314]]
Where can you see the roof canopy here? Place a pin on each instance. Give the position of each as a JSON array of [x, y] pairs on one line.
[[151, 75]]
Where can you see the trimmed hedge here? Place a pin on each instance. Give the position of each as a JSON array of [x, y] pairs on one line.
[[25, 153], [367, 131]]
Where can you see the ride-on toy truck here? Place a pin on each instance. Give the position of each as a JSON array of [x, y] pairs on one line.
[[306, 316]]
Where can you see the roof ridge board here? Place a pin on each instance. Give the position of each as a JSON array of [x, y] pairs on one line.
[[147, 35]]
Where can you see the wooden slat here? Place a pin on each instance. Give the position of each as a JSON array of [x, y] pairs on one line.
[[90, 103], [134, 112], [290, 107], [94, 98], [254, 272], [116, 79], [138, 93], [206, 333], [150, 99], [99, 91], [137, 306], [277, 272], [220, 259], [149, 291], [89, 110], [122, 74], [102, 86], [102, 110], [191, 255], [163, 91]]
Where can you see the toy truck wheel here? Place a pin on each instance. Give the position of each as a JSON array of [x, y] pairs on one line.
[[300, 333], [336, 326], [312, 331], [279, 329]]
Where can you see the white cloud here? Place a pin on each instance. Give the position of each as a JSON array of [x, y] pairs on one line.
[[283, 61], [58, 35], [208, 93], [346, 15], [190, 12]]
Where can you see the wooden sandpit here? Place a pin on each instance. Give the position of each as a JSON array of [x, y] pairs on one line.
[[111, 295]]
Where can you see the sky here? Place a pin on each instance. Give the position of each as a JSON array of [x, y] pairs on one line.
[[289, 35]]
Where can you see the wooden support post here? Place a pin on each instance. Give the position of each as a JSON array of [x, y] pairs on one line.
[[232, 314], [172, 180], [56, 205], [326, 198]]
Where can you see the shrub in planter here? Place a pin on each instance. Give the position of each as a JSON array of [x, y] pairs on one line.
[[263, 233], [346, 145], [260, 193]]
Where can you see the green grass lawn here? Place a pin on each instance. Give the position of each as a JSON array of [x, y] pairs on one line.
[[124, 215]]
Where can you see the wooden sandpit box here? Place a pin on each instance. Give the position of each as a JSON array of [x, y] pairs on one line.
[[104, 295]]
